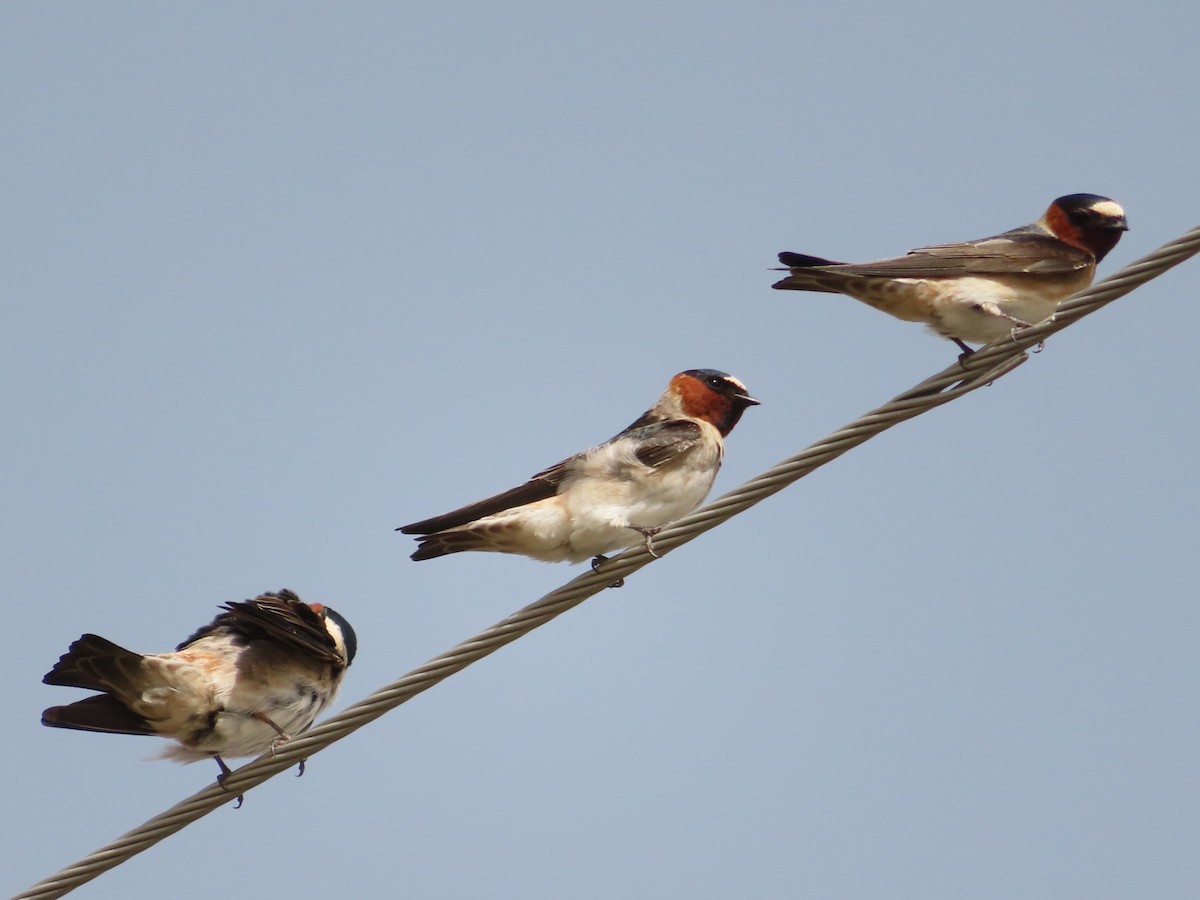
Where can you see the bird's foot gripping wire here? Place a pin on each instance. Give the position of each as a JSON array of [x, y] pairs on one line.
[[598, 561], [1021, 326], [648, 536], [225, 771], [993, 309], [283, 738]]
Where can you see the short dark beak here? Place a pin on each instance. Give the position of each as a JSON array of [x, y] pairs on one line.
[[747, 400]]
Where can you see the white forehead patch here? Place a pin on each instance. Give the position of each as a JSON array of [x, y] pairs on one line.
[[335, 631], [736, 383], [1109, 209]]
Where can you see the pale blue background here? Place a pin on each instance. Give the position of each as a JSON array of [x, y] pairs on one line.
[[282, 276]]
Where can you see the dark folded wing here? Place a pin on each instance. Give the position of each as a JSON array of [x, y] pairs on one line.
[[289, 620], [282, 617], [1019, 252], [661, 442], [658, 442], [542, 485]]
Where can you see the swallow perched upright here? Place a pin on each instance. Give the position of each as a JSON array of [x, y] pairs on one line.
[[259, 673], [609, 497], [978, 290]]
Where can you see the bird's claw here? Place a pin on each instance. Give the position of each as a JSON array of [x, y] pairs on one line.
[[225, 771], [1018, 327], [648, 536], [279, 742], [599, 560], [283, 737], [966, 351]]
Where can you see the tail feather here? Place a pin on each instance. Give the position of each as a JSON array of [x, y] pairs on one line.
[[96, 664], [804, 261], [808, 273], [443, 543], [99, 713]]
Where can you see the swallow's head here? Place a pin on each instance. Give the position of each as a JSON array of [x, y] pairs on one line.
[[344, 638], [1087, 221], [713, 396]]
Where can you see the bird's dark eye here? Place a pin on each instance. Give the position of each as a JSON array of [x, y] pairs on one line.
[[716, 382], [1079, 216]]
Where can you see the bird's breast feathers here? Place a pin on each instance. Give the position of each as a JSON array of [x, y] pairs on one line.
[[610, 482]]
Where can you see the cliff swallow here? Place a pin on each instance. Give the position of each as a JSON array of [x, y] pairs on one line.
[[979, 290], [259, 673], [609, 497]]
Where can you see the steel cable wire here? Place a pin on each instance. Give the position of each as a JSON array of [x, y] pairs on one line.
[[983, 367]]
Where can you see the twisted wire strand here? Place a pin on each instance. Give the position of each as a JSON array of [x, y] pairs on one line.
[[985, 366]]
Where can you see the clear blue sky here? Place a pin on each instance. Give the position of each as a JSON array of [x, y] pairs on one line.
[[280, 277]]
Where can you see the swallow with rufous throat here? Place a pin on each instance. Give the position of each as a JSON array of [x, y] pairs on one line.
[[979, 290], [609, 497]]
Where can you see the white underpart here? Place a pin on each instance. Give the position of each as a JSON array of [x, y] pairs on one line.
[[287, 699], [608, 492], [615, 491], [981, 310]]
